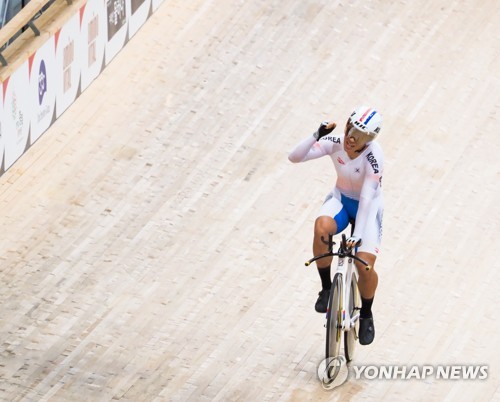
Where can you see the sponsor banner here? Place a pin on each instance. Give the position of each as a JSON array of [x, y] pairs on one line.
[[156, 4], [16, 117], [136, 5], [42, 88], [2, 146], [117, 14], [43, 80], [139, 15], [93, 33], [67, 63]]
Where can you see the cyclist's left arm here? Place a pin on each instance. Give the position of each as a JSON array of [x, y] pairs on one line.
[[371, 190]]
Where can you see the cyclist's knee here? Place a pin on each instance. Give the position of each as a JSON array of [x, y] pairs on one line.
[[369, 259], [323, 226]]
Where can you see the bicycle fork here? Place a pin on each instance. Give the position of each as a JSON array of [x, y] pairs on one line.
[[348, 322], [345, 321]]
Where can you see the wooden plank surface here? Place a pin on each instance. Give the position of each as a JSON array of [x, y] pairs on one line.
[[154, 238]]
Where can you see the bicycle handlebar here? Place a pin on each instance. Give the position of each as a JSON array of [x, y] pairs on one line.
[[348, 254], [343, 252]]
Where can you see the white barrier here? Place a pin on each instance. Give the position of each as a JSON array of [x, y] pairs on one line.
[[43, 87], [42, 90], [17, 114], [93, 44], [2, 145]]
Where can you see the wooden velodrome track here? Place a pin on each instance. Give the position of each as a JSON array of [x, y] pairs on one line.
[[153, 239]]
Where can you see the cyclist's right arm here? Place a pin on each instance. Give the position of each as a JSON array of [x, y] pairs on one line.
[[315, 146], [311, 149], [306, 150]]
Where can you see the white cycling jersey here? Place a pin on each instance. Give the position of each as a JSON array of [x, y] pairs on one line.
[[358, 179]]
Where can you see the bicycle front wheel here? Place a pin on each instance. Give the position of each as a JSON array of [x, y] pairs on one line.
[[334, 318], [351, 337]]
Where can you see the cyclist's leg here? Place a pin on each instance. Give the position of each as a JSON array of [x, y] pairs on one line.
[[368, 251], [367, 285], [322, 227], [332, 219], [368, 280]]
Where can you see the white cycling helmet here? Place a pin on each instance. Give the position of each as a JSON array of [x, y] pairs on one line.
[[367, 120]]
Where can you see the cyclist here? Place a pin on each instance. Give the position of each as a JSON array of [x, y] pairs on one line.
[[357, 195]]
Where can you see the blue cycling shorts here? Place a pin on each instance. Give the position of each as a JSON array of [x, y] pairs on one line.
[[343, 209]]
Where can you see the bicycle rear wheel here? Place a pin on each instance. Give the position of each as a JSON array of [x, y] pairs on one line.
[[351, 336], [334, 317]]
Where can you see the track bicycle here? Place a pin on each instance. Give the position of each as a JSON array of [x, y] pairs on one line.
[[344, 304]]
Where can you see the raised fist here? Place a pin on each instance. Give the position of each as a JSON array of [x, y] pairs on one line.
[[325, 128]]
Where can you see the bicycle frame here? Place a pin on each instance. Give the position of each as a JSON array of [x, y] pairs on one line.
[[343, 253], [343, 301], [346, 273]]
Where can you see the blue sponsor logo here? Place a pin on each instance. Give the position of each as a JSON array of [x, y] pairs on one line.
[[42, 82]]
